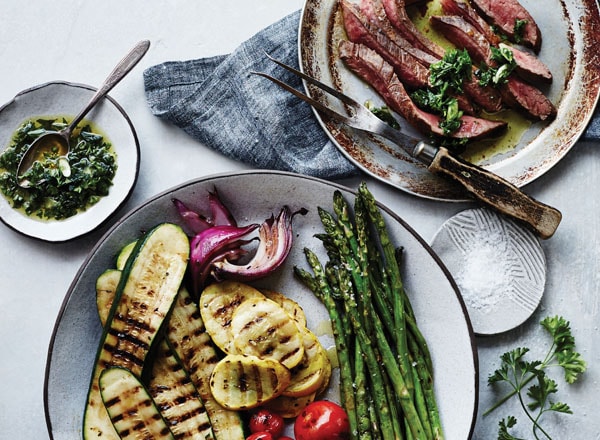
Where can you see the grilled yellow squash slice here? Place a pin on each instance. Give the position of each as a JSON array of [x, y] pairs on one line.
[[131, 409], [289, 407], [217, 304], [311, 372], [289, 305], [243, 382], [262, 328]]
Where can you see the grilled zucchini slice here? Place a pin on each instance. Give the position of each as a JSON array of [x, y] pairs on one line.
[[124, 255], [106, 289], [262, 328], [131, 409], [144, 296], [242, 382], [194, 347], [177, 397]]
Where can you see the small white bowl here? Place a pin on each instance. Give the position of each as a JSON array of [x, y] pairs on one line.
[[498, 265], [67, 99]]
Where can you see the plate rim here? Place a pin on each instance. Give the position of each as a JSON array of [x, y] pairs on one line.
[[125, 198], [263, 173], [589, 18]]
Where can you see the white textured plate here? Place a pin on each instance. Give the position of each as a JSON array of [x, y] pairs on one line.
[[252, 197], [498, 265], [570, 32], [63, 98]]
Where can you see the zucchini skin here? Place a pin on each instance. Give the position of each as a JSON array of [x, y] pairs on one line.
[[143, 298], [193, 346], [130, 407], [169, 386]]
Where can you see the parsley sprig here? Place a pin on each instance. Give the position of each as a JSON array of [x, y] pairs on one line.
[[518, 372]]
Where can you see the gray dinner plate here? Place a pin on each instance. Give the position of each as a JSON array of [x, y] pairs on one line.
[[253, 197]]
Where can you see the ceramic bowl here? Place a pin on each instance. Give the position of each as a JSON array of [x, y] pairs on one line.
[[499, 267], [67, 99]]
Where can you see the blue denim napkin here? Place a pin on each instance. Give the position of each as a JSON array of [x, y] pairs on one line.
[[246, 117], [592, 132]]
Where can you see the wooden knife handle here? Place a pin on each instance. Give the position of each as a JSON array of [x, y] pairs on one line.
[[497, 193]]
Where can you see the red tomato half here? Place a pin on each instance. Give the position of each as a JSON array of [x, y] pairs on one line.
[[267, 421], [322, 420]]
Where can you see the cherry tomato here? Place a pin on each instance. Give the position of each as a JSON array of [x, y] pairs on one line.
[[264, 435], [267, 421], [322, 420]]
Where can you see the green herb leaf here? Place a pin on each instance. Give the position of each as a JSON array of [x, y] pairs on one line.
[[451, 70], [517, 373], [504, 426], [505, 65], [519, 29]]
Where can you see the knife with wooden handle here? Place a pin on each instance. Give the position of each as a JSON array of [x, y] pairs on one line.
[[484, 185], [490, 188]]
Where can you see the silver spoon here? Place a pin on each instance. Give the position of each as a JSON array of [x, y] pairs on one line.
[[58, 142]]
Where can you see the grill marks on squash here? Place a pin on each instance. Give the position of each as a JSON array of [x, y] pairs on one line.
[[243, 382], [264, 329], [218, 303]]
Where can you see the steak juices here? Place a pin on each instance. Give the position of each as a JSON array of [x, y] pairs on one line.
[[387, 50]]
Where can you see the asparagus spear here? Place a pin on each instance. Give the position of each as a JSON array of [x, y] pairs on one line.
[[374, 325]]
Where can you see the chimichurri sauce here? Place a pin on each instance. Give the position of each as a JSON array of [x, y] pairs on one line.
[[52, 195]]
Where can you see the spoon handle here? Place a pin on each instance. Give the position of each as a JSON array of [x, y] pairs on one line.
[[124, 66]]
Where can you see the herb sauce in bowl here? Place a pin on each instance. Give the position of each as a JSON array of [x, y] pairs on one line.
[[54, 195]]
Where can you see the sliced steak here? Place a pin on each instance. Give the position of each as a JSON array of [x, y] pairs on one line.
[[396, 12], [373, 69], [505, 14], [464, 9], [529, 66], [359, 29], [463, 35], [528, 99], [373, 11], [516, 93]]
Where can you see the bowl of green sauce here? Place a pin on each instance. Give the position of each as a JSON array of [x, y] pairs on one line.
[[103, 163]]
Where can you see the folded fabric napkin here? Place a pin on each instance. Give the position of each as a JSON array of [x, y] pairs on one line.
[[592, 132], [248, 118], [244, 116]]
